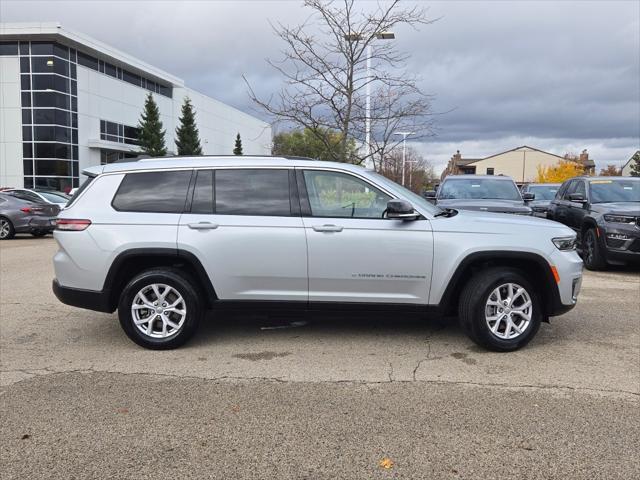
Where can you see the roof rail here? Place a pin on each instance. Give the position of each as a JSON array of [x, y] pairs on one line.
[[143, 158]]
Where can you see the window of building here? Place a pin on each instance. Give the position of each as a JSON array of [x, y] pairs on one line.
[[252, 192], [490, 171], [116, 132], [334, 194], [203, 193], [110, 156], [8, 48], [161, 192]]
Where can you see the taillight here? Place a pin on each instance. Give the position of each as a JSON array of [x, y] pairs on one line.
[[31, 209], [72, 224]]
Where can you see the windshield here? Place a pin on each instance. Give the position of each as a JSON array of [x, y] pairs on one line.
[[478, 188], [619, 190], [414, 198], [55, 197], [543, 192]]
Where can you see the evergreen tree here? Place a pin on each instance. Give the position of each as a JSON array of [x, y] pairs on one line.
[[151, 132], [635, 164], [238, 148], [187, 136]]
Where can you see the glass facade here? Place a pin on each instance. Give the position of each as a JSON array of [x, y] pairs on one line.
[[49, 95], [49, 99]]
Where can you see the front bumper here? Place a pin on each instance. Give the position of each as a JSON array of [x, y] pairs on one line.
[[569, 267], [621, 243]]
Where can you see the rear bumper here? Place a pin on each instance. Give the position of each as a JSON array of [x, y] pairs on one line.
[[35, 224], [77, 297]]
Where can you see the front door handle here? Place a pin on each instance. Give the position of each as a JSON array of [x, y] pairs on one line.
[[327, 228], [202, 226]]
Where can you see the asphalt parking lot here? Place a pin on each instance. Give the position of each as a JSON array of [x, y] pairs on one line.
[[331, 398]]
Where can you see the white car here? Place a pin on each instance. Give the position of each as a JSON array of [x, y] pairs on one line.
[[40, 196], [163, 240]]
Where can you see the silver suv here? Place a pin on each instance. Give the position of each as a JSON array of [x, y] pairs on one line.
[[163, 240]]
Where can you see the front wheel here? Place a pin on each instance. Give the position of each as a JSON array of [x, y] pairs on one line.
[[159, 309], [500, 310], [592, 251]]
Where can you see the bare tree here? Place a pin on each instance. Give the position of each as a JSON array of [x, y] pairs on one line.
[[418, 171], [324, 66]]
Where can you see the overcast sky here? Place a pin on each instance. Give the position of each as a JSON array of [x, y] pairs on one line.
[[557, 75]]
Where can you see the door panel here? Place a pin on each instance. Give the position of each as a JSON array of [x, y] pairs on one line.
[[254, 251], [381, 261], [366, 259], [249, 257]]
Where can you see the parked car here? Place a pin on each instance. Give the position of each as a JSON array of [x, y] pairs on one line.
[[40, 196], [487, 193], [605, 214], [163, 240], [544, 193], [23, 216]]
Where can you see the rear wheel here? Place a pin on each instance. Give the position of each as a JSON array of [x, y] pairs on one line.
[[6, 229], [159, 309], [500, 310], [592, 251]]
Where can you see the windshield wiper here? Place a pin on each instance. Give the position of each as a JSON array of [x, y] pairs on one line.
[[447, 212]]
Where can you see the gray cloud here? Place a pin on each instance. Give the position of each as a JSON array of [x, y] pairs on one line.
[[561, 76]]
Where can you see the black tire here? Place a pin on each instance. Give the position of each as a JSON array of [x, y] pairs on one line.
[[473, 300], [592, 251], [8, 234], [184, 285], [39, 233]]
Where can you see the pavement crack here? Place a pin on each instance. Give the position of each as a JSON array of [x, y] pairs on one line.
[[390, 372]]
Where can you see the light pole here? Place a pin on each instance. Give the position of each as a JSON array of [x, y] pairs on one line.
[[404, 149], [353, 37]]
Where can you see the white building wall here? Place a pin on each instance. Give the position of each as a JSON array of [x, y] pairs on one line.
[[11, 171], [101, 97]]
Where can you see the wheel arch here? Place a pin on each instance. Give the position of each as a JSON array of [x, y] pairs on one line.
[[534, 265], [131, 262]]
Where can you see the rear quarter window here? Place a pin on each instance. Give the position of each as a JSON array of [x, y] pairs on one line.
[[153, 192]]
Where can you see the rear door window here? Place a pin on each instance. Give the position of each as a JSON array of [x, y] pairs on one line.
[[153, 192], [252, 192]]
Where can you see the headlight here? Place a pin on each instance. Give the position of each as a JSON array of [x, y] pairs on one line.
[[565, 243], [619, 219]]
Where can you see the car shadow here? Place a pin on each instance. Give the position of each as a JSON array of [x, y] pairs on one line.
[[243, 326]]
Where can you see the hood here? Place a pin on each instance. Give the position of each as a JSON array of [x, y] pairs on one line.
[[539, 204], [625, 208], [485, 205], [487, 222]]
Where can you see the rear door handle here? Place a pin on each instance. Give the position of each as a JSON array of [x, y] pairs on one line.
[[327, 228], [202, 226]]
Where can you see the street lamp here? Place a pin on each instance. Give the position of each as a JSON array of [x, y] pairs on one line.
[[404, 149], [354, 37]]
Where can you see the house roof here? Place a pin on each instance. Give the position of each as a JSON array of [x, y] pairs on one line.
[[468, 161], [631, 158]]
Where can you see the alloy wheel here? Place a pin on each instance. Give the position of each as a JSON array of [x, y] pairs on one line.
[[508, 311], [5, 229], [158, 310]]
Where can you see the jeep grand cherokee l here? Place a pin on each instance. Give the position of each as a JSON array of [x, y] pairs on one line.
[[605, 213], [162, 240]]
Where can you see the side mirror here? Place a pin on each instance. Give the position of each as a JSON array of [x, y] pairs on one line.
[[528, 196], [430, 194], [400, 210], [577, 197]]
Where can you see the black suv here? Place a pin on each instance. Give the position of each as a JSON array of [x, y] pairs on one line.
[[605, 213]]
